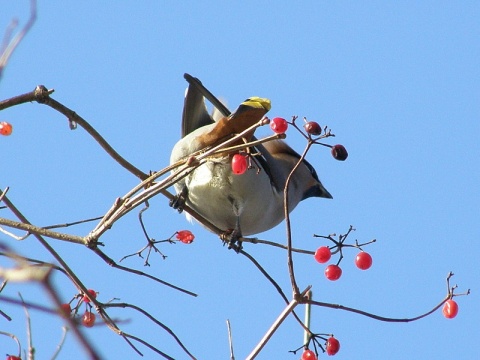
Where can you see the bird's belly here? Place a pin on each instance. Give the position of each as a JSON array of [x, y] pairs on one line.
[[222, 197]]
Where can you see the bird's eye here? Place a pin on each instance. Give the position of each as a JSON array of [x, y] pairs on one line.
[[248, 99]]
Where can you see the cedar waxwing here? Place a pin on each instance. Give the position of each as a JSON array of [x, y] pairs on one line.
[[245, 204]]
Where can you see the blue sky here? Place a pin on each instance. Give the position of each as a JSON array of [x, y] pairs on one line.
[[398, 83]]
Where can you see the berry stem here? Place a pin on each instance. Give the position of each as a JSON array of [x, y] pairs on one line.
[[287, 221]]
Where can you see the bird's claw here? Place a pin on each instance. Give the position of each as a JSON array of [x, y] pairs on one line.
[[179, 200], [232, 238], [177, 203]]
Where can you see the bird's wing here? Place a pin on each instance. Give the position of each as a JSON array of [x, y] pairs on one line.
[[195, 114]]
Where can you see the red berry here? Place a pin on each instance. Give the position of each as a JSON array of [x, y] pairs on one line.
[[5, 128], [323, 254], [308, 355], [279, 125], [313, 128], [239, 164], [363, 260], [66, 308], [13, 357], [88, 319], [185, 236], [333, 272], [450, 309], [333, 345], [339, 152], [92, 294]]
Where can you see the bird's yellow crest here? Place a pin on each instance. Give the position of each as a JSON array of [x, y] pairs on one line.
[[258, 103]]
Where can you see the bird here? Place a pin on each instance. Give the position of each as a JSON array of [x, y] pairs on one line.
[[246, 204]]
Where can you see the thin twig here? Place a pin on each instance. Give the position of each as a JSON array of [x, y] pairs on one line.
[[276, 286], [275, 244], [41, 231], [376, 317], [230, 340], [5, 315], [150, 346], [266, 274], [14, 338], [10, 48], [29, 329], [152, 318], [112, 324], [12, 235], [30, 305], [8, 34], [308, 313], [71, 223], [60, 344], [113, 264], [74, 117]]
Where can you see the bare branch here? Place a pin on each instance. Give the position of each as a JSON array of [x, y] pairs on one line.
[[150, 346], [17, 256], [287, 221], [32, 229], [5, 315], [148, 315], [276, 286], [283, 315], [89, 349], [373, 316], [112, 263], [30, 305], [274, 244]]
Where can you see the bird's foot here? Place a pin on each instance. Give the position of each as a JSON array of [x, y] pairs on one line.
[[232, 238], [179, 200]]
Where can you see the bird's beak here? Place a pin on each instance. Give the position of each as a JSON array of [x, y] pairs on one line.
[[317, 191]]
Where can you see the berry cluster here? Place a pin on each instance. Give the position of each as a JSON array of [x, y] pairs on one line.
[[333, 272], [88, 318], [279, 126], [332, 346], [313, 128]]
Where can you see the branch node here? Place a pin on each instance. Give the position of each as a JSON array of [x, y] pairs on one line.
[[42, 94]]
